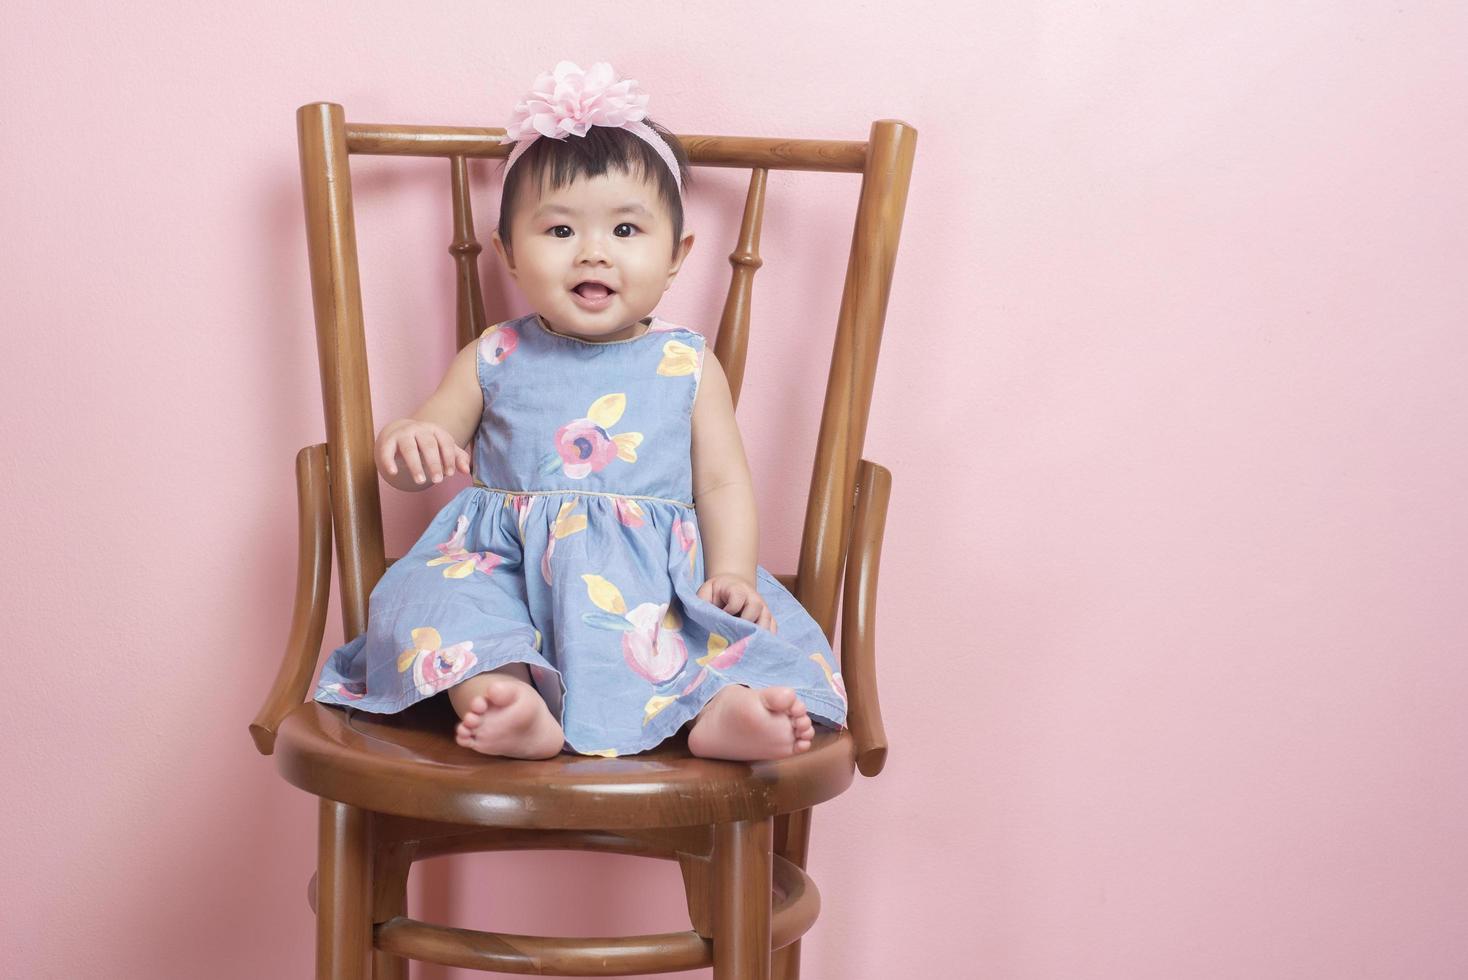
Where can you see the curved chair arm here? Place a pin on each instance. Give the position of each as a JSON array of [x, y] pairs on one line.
[[313, 586], [859, 616]]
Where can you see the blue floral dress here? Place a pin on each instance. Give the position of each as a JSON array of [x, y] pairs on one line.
[[577, 552]]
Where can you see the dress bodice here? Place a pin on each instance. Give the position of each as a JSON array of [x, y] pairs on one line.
[[612, 417]]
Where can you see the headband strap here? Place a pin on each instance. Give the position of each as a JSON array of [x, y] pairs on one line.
[[569, 101]]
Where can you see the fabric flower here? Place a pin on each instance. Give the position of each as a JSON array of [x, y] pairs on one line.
[[567, 101]]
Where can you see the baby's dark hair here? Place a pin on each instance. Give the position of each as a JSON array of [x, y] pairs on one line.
[[555, 163]]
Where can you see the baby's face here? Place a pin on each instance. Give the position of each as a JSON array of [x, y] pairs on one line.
[[612, 230]]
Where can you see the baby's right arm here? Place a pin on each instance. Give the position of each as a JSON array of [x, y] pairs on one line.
[[420, 450]]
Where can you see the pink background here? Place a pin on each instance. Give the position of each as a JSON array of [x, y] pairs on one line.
[[1172, 621]]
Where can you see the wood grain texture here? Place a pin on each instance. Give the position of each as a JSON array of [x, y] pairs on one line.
[[742, 899], [344, 893], [732, 345], [404, 764], [313, 590], [742, 152], [465, 248]]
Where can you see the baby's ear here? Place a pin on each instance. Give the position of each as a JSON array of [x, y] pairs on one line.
[[684, 247], [506, 255]]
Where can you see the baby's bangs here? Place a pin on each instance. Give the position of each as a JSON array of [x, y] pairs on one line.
[[554, 164], [551, 164]]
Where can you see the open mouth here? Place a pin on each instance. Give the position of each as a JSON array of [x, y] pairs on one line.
[[594, 291]]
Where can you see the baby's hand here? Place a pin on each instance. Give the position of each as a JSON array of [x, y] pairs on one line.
[[423, 448], [739, 597]]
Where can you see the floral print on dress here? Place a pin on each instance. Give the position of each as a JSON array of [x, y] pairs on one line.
[[463, 563], [654, 646], [351, 692], [584, 446], [566, 523], [721, 656], [435, 666], [678, 359], [686, 534], [652, 638], [833, 678], [498, 343], [521, 504], [629, 511]]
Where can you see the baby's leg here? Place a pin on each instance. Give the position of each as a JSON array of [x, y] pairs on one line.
[[501, 713], [748, 725]]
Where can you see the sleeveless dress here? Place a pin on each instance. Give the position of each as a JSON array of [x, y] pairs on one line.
[[577, 552]]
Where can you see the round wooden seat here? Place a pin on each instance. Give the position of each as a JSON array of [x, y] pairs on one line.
[[409, 764]]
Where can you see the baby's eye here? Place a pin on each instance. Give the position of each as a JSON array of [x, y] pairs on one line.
[[556, 231], [631, 228]]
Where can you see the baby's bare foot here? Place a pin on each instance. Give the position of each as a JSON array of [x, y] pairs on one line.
[[508, 718], [746, 725]]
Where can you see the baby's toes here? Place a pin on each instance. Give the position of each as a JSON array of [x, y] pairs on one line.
[[804, 728], [779, 700], [479, 705], [501, 694]]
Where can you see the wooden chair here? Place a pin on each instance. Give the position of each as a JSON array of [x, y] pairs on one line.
[[396, 789]]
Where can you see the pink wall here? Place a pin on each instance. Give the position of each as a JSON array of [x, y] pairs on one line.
[[1173, 623]]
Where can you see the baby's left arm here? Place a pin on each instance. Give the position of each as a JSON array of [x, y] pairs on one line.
[[724, 495]]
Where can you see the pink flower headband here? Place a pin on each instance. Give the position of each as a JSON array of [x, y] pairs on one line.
[[569, 101]]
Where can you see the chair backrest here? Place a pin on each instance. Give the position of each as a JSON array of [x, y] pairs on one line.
[[326, 142]]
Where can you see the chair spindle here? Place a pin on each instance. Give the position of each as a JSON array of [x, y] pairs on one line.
[[465, 250], [732, 345]]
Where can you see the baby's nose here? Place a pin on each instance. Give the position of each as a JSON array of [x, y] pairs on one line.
[[593, 249]]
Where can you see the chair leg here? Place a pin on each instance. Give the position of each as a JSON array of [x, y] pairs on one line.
[[785, 963], [343, 893], [742, 894], [792, 837], [390, 867]]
